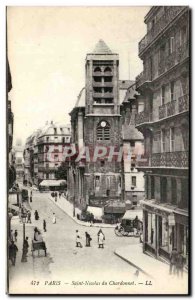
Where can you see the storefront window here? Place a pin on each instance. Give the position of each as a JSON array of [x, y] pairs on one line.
[[151, 229], [163, 233]]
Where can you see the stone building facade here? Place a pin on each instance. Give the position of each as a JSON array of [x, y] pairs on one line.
[[95, 121], [133, 180], [19, 160], [98, 120], [164, 122], [44, 152]]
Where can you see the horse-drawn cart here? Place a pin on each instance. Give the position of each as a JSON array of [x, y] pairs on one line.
[[38, 246], [131, 224]]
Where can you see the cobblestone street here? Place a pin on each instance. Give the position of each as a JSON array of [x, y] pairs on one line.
[[64, 261]]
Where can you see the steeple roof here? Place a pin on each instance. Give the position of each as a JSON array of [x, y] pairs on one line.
[[102, 48]]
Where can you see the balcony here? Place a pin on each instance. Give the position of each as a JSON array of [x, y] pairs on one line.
[[142, 78], [167, 110], [177, 159], [160, 25], [47, 169], [183, 103], [143, 117]]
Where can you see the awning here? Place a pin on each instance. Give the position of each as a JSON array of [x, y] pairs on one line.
[[115, 208], [156, 207], [13, 207], [131, 214], [96, 211], [52, 182]]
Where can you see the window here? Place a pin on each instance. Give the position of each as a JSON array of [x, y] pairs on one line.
[[55, 157], [183, 35], [135, 200], [152, 187], [97, 181], [97, 89], [103, 131], [172, 139], [55, 130], [47, 139], [108, 100], [172, 90], [97, 100], [97, 79], [97, 69], [163, 95], [107, 69], [108, 89], [162, 140], [56, 139], [63, 140], [108, 79], [133, 180], [102, 163], [171, 44]]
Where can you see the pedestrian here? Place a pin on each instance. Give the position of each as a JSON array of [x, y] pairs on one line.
[[36, 215], [11, 235], [31, 197], [44, 226], [56, 196], [26, 246], [180, 264], [78, 239], [36, 233], [54, 219], [59, 194], [88, 239], [15, 235], [13, 249], [173, 260], [101, 238], [29, 217], [152, 236]]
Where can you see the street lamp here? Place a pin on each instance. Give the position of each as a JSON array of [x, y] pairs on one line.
[[23, 218]]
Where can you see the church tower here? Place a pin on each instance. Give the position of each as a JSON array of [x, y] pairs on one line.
[[102, 126]]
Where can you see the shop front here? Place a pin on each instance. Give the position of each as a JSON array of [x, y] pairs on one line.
[[182, 235], [159, 230]]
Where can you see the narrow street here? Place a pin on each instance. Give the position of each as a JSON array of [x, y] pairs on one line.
[[64, 261]]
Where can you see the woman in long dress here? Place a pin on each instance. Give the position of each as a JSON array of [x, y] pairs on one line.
[[101, 239], [54, 219]]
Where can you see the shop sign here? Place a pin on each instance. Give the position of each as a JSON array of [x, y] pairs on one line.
[[171, 220]]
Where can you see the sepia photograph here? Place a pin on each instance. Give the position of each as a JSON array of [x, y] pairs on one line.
[[98, 139]]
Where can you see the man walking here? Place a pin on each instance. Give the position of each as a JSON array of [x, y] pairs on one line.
[[88, 239], [180, 264], [28, 217], [173, 260], [44, 226], [15, 235], [13, 249]]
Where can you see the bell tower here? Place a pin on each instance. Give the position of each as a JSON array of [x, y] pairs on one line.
[[102, 126]]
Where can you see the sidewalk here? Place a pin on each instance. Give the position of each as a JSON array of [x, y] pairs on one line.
[[133, 254], [67, 207]]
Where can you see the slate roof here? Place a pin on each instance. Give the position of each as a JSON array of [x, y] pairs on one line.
[[129, 132], [102, 48]]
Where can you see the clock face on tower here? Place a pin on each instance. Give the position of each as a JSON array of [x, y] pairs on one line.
[[103, 124]]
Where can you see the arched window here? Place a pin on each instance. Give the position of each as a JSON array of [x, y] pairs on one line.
[[103, 131], [107, 69], [97, 69]]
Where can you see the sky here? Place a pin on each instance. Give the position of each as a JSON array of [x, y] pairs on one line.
[[47, 47]]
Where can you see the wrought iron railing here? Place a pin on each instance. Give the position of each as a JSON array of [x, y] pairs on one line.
[[143, 117], [167, 110], [162, 23], [183, 103], [178, 159]]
